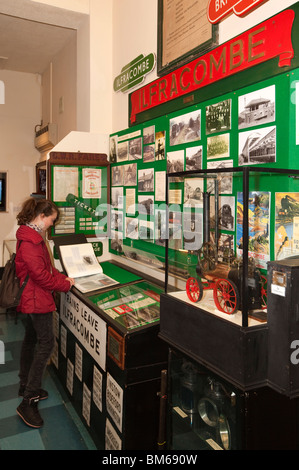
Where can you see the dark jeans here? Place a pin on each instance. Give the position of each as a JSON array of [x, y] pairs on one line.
[[36, 350]]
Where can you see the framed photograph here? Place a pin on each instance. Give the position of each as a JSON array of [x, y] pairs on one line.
[[218, 146], [257, 108], [218, 117], [257, 146], [184, 33], [185, 128]]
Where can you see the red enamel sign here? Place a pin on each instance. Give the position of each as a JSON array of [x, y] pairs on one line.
[[218, 9], [269, 39]]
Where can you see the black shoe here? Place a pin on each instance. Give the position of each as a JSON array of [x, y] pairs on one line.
[[27, 410], [43, 394]]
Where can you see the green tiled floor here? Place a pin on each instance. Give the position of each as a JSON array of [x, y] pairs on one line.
[[62, 429]]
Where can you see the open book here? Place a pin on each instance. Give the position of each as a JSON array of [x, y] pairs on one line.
[[80, 263]]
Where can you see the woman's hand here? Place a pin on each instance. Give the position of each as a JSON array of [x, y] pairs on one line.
[[71, 281]]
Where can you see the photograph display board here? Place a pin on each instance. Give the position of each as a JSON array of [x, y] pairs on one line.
[[78, 185], [251, 126]]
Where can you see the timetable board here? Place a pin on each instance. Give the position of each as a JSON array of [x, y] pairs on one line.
[[78, 184]]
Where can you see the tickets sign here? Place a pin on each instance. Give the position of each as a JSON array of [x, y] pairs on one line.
[[218, 9]]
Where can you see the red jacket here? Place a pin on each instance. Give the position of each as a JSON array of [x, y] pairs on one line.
[[33, 258]]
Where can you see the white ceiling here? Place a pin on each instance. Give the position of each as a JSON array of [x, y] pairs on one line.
[[31, 34]]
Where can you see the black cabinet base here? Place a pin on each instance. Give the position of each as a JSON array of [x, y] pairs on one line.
[[237, 354]]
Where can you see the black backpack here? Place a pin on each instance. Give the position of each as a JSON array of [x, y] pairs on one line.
[[10, 289]]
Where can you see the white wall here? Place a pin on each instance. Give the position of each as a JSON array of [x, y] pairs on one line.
[[101, 77], [18, 118], [134, 33], [88, 74], [80, 6], [60, 85]]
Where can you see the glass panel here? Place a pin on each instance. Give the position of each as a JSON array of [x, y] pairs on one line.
[[223, 229], [203, 408], [131, 306]]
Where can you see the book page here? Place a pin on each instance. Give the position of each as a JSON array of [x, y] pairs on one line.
[[80, 260]]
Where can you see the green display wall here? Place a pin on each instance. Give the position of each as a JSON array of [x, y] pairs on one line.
[[247, 120]]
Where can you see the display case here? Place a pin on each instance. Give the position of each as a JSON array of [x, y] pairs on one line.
[[222, 230], [109, 359], [206, 412]]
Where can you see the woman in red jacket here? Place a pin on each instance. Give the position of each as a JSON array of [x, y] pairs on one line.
[[37, 302]]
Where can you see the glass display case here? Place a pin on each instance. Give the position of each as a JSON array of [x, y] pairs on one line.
[[131, 305], [223, 228], [109, 358]]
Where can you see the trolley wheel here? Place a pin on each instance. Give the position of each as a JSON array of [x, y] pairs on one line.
[[264, 292], [226, 296], [194, 289]]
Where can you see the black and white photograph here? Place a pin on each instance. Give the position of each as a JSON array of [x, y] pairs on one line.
[[193, 191], [130, 174], [193, 229], [146, 230], [161, 232], [135, 149], [225, 180], [122, 151], [117, 196], [146, 180], [226, 212], [116, 220], [148, 153], [160, 145], [175, 161], [117, 175], [218, 146], [116, 241], [257, 146], [175, 230], [149, 135], [185, 128], [257, 108], [218, 117], [194, 158], [132, 228], [146, 205], [226, 246], [113, 149]]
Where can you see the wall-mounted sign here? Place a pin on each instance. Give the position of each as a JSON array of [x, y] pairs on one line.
[[134, 73], [268, 40], [184, 32], [218, 9]]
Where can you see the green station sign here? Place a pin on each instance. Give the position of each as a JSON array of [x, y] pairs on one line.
[[134, 72]]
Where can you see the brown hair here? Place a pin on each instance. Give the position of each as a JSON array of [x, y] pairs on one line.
[[34, 207]]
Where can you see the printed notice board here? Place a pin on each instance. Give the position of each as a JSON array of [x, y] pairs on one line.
[[78, 184]]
